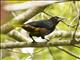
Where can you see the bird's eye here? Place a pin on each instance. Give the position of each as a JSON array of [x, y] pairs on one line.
[[56, 17]]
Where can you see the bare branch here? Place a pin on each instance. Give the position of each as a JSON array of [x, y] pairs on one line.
[[37, 44], [16, 35], [27, 5], [21, 19], [51, 53], [76, 46], [69, 52], [64, 34], [76, 18]]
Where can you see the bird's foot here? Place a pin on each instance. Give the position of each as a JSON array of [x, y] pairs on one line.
[[47, 40], [73, 41], [34, 41]]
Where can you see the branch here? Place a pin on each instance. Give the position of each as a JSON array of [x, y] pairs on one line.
[[70, 53], [18, 36], [27, 5], [18, 20], [38, 44], [51, 53], [76, 18], [56, 34], [64, 34], [76, 46]]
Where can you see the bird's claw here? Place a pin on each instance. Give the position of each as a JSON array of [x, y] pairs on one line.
[[47, 40]]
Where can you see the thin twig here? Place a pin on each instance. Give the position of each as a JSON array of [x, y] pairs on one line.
[[69, 52], [13, 13], [77, 17], [47, 14], [68, 24], [76, 46], [51, 53], [76, 29], [38, 51], [61, 21]]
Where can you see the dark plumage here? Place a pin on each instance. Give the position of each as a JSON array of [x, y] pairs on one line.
[[41, 27]]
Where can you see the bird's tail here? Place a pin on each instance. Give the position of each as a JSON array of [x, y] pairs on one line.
[[28, 27]]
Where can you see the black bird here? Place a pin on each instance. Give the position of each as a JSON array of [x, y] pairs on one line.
[[41, 27]]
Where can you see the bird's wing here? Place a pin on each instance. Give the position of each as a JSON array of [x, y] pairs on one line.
[[42, 24]]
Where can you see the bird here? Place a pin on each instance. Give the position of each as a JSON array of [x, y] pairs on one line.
[[41, 28]]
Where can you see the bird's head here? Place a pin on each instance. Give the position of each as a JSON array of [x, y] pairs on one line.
[[56, 19]]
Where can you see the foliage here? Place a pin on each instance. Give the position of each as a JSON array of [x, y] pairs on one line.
[[64, 9]]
